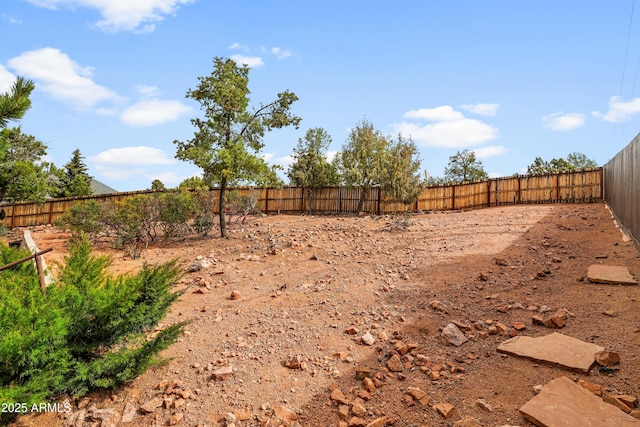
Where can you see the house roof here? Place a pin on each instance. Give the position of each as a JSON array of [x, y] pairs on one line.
[[98, 187]]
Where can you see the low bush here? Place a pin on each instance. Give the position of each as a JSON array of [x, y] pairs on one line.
[[88, 330], [204, 216], [86, 217], [173, 213], [240, 206]]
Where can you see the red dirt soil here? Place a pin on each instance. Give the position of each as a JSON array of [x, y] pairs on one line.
[[303, 281]]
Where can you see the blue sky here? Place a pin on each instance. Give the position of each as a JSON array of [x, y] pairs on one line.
[[511, 80]]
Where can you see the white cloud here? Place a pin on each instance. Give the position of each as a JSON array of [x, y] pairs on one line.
[[482, 109], [168, 178], [11, 19], [267, 156], [58, 75], [120, 173], [437, 114], [490, 151], [107, 111], [280, 53], [125, 156], [285, 161], [451, 128], [122, 15], [331, 155], [147, 91], [6, 80], [139, 174], [619, 111], [250, 61], [153, 112], [237, 45], [562, 122]]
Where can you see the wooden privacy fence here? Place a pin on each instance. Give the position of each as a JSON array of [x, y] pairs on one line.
[[622, 187], [582, 186]]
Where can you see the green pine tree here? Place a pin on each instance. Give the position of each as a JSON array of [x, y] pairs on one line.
[[16, 102], [74, 179]]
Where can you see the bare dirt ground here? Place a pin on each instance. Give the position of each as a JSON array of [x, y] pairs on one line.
[[309, 288]]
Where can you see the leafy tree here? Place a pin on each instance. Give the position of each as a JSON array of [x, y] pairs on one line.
[[363, 159], [463, 167], [228, 140], [581, 161], [74, 179], [16, 102], [23, 174], [194, 183], [538, 167], [311, 169], [402, 177], [157, 185], [573, 161]]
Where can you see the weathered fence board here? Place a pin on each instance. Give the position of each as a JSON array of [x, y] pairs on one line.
[[569, 187]]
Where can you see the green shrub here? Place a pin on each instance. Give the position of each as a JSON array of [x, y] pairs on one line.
[[239, 206], [134, 222], [174, 209], [88, 330], [86, 217], [204, 216]]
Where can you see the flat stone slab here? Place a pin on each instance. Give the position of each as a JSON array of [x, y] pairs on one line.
[[563, 403], [610, 274], [555, 348]]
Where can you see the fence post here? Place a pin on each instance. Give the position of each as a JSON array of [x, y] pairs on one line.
[[51, 212], [557, 187], [379, 197], [13, 217], [518, 196], [266, 202], [453, 197], [489, 192]]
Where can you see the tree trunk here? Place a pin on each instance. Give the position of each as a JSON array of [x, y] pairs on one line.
[[363, 197], [309, 196], [223, 221]]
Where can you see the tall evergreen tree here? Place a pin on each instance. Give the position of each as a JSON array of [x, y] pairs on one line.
[[74, 179]]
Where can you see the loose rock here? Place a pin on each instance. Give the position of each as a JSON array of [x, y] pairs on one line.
[[453, 335]]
